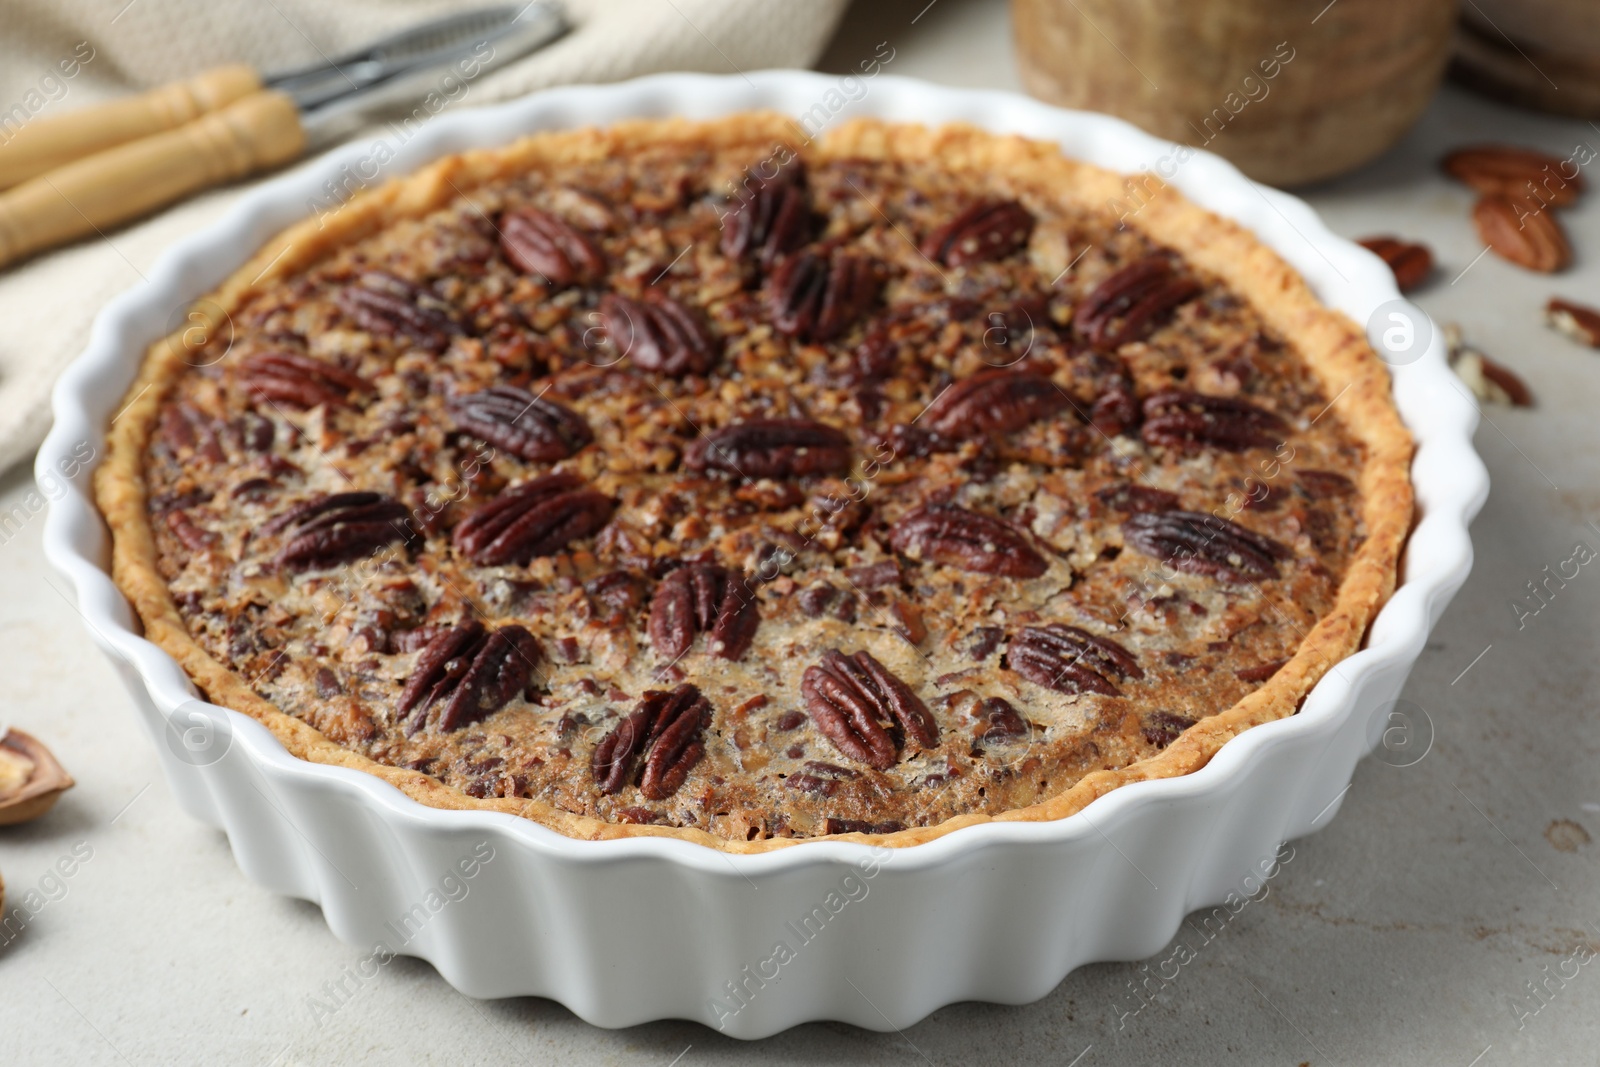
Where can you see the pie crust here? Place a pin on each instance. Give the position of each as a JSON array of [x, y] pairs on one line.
[[1327, 352]]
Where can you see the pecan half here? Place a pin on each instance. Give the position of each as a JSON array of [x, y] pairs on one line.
[[389, 306], [613, 596], [956, 537], [984, 640], [658, 334], [536, 518], [816, 296], [1127, 305], [191, 535], [771, 221], [805, 782], [1115, 411], [993, 401], [525, 425], [855, 699], [1518, 173], [1260, 672], [475, 672], [868, 576], [1129, 498], [1070, 660], [872, 362], [1528, 236], [703, 598], [1190, 421], [538, 243], [185, 429], [914, 442], [338, 528], [986, 230], [299, 381], [1161, 728], [672, 726], [771, 448], [999, 720], [1490, 381], [1197, 543], [1577, 321], [1410, 262]]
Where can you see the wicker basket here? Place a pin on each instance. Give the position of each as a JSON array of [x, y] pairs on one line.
[[1288, 94]]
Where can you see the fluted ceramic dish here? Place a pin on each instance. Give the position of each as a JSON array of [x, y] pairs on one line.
[[644, 928]]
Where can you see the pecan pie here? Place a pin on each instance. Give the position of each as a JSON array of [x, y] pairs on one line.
[[704, 480]]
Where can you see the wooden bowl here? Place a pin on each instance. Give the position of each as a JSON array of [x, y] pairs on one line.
[[1288, 96]]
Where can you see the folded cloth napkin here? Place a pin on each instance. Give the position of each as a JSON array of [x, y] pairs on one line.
[[59, 54]]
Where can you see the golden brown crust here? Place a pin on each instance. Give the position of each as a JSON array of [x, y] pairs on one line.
[[1333, 346]]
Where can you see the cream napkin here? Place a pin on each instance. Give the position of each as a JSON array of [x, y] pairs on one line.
[[46, 304]]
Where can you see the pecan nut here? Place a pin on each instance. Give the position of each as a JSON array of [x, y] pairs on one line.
[[1528, 236], [1127, 306], [855, 700], [984, 231], [185, 430], [338, 528], [191, 535], [772, 221], [537, 518], [1070, 660], [1261, 672], [1517, 173], [383, 304], [1410, 262], [1161, 728], [904, 441], [1115, 411], [993, 401], [525, 425], [1490, 381], [703, 598], [1129, 498], [538, 243], [1000, 721], [671, 726], [816, 296], [657, 333], [1577, 321], [771, 448], [1196, 543], [613, 596], [299, 381], [1190, 421], [956, 537], [472, 673]]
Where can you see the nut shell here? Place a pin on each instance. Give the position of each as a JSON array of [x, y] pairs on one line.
[[44, 783]]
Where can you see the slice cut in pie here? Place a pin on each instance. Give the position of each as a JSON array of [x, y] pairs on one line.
[[697, 479]]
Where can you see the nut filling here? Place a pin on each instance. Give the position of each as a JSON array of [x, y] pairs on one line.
[[765, 491]]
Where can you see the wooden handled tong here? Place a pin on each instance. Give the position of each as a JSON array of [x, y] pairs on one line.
[[80, 173]]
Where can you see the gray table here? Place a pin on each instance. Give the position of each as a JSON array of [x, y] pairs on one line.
[[1406, 932]]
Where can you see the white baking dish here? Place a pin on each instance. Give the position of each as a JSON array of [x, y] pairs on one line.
[[631, 930]]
